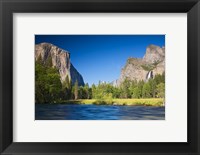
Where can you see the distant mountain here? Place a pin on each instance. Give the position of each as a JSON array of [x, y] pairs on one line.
[[144, 68], [60, 59]]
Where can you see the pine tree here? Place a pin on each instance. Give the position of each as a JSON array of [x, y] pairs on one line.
[[146, 91], [76, 90], [152, 84], [68, 84], [136, 92], [161, 90], [67, 88]]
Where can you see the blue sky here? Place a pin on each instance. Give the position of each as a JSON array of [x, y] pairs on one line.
[[101, 57]]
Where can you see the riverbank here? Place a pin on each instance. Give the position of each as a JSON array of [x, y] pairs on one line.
[[129, 102]]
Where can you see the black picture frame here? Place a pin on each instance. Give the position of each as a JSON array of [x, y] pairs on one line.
[[8, 7]]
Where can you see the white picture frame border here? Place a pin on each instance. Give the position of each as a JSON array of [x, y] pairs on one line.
[[172, 129]]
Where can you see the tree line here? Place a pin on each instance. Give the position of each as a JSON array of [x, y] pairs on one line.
[[49, 89], [154, 88]]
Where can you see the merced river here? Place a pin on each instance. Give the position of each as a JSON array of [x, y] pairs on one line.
[[97, 112]]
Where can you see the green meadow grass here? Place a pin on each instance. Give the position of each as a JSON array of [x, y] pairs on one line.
[[130, 102]]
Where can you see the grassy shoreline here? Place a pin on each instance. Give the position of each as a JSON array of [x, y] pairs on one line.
[[129, 102]]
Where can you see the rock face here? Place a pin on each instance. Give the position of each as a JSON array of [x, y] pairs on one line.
[[60, 59], [154, 53], [75, 75], [147, 67]]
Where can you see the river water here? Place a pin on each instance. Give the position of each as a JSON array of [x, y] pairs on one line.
[[97, 112]]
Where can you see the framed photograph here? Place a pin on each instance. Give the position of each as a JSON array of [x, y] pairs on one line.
[[79, 85], [106, 77]]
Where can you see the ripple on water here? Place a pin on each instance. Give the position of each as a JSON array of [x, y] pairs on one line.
[[97, 112]]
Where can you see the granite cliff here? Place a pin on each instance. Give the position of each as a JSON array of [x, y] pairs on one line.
[[144, 68], [60, 60]]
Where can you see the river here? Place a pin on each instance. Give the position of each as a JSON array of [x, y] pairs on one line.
[[97, 112]]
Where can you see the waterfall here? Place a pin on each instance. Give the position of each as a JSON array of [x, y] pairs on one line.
[[149, 75]]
